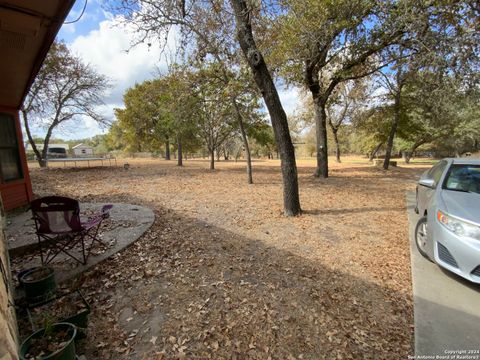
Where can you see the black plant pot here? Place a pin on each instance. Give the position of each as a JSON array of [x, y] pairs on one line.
[[67, 308], [66, 352], [39, 284]]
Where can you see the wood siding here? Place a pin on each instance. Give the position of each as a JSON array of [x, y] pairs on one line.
[[14, 195], [18, 192]]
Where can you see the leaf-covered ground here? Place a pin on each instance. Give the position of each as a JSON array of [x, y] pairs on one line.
[[223, 275]]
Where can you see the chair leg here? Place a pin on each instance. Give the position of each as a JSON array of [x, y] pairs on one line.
[[83, 249], [93, 237], [62, 245], [41, 251]]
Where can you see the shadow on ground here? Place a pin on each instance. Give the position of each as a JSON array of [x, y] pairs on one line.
[[190, 289], [450, 339]]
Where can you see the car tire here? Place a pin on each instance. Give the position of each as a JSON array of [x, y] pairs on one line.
[[421, 237]]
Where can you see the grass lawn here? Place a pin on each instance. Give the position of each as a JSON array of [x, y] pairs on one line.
[[222, 274]]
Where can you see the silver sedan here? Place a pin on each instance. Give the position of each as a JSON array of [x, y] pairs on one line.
[[448, 201]]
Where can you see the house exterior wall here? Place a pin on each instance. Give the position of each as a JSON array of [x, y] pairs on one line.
[[8, 324], [83, 151], [15, 194], [18, 192]]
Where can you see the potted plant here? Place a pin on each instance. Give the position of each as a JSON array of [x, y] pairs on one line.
[[39, 284], [68, 308], [54, 342]]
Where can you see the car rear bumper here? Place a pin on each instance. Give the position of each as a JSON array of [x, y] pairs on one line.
[[458, 255]]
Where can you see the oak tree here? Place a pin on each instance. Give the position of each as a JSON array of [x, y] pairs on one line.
[[65, 89]]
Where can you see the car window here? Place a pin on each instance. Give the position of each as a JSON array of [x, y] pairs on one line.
[[436, 172], [462, 177], [57, 150], [433, 168]]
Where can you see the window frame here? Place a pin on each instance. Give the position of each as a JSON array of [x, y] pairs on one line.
[[8, 116], [439, 167], [448, 173]]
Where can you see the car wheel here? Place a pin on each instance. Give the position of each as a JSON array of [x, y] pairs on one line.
[[421, 237]]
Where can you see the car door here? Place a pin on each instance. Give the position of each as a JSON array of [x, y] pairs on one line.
[[425, 193]]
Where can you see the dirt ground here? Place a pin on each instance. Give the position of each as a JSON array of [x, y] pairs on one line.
[[222, 274]]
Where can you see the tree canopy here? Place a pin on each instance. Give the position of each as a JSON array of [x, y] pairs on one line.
[[378, 74], [65, 89]]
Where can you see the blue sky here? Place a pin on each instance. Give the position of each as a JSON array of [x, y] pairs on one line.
[[101, 42], [88, 22]]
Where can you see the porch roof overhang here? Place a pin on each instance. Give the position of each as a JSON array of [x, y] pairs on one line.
[[27, 30]]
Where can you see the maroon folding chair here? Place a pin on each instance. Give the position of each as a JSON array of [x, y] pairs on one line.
[[59, 228]]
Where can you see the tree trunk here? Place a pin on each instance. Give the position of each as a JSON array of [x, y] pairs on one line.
[[245, 143], [391, 136], [180, 153], [408, 154], [375, 151], [396, 117], [248, 156], [319, 107], [167, 149], [46, 141], [337, 144], [321, 135], [212, 159], [263, 79], [41, 160], [393, 130]]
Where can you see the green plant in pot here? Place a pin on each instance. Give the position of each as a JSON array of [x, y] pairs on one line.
[[39, 284], [71, 308], [54, 342]]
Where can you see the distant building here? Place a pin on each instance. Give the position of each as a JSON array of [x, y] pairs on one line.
[[50, 146], [82, 150], [54, 150]]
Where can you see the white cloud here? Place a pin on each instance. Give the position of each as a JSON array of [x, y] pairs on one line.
[[108, 50], [291, 98], [105, 49], [85, 126]]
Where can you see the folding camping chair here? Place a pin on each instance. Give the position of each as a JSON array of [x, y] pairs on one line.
[[59, 228]]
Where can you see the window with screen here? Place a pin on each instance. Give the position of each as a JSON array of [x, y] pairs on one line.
[[10, 165]]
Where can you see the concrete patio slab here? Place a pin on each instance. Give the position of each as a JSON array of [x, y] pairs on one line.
[[446, 307], [127, 223]]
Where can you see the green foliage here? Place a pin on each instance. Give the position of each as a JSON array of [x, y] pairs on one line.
[[322, 46], [145, 122], [194, 104], [156, 112], [262, 140]]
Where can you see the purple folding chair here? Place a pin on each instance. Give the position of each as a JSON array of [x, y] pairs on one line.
[[59, 228]]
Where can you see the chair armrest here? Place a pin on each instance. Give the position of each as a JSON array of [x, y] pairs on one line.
[[92, 221], [98, 218]]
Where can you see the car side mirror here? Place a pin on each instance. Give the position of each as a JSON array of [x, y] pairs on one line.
[[430, 183]]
